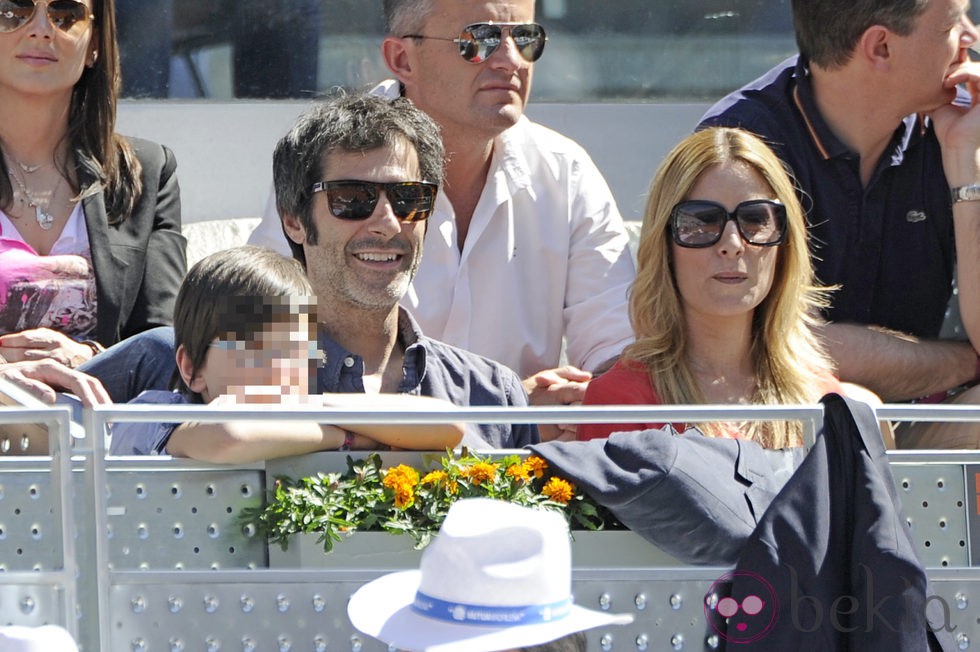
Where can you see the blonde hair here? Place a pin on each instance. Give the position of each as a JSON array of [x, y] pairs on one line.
[[786, 354]]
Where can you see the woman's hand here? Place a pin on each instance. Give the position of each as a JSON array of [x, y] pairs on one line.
[[44, 343]]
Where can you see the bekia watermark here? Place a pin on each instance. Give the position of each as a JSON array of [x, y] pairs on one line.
[[753, 611]]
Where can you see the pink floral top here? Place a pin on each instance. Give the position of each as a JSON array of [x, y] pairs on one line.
[[56, 291]]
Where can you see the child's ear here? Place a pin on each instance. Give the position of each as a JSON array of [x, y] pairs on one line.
[[192, 377]]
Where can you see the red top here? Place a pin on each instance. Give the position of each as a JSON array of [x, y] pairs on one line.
[[628, 383]]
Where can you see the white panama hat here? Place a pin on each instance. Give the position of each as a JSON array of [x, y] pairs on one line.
[[498, 576], [46, 638]]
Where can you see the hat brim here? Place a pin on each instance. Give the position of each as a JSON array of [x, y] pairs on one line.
[[382, 609]]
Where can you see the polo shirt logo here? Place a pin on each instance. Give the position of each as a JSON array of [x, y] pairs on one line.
[[915, 216]]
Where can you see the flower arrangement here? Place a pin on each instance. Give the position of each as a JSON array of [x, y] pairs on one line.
[[403, 500]]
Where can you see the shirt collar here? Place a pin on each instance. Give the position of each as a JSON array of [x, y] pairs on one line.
[[510, 153], [335, 360], [911, 130]]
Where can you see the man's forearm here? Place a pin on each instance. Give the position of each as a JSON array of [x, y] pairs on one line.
[[895, 366]]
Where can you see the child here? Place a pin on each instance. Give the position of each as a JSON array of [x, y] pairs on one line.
[[245, 333]]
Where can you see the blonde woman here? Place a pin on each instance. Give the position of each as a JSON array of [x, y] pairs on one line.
[[724, 298]]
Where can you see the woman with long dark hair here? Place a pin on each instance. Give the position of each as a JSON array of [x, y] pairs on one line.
[[90, 245]]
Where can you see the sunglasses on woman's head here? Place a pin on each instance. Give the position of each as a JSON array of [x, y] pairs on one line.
[[480, 40], [64, 14], [350, 199], [699, 223]]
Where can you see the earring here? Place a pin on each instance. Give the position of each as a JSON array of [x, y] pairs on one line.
[[94, 58]]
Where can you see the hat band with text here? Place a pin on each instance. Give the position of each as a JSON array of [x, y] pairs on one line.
[[473, 614]]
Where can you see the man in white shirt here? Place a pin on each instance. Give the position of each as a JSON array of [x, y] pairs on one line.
[[526, 247]]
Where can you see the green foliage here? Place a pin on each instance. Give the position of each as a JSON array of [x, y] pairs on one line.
[[404, 500]]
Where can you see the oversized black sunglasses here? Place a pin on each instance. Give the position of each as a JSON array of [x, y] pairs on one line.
[[480, 40], [699, 223], [64, 14], [350, 199]]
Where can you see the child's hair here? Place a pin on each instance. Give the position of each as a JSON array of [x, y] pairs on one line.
[[234, 295]]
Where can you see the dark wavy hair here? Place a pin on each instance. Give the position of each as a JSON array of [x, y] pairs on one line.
[[103, 159]]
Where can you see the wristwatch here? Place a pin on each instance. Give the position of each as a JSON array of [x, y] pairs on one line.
[[965, 193]]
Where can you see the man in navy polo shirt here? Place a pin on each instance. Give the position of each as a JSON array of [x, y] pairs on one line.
[[865, 117]]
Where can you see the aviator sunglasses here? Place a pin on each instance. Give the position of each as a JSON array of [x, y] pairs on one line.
[[411, 201], [698, 223], [480, 40], [64, 14]]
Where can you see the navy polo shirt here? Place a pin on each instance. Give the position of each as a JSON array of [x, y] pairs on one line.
[[434, 368], [888, 246]]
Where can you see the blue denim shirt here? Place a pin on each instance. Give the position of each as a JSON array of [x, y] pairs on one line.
[[888, 245], [434, 368]]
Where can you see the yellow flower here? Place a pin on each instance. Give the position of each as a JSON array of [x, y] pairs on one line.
[[434, 477], [401, 474], [481, 472], [519, 472], [404, 496], [536, 465], [558, 490], [453, 487]]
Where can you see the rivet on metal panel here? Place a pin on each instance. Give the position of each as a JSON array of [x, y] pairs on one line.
[[282, 603], [141, 491], [210, 490], [175, 604], [138, 645], [676, 601], [640, 601], [213, 644], [178, 530], [285, 645], [941, 484], [356, 644], [214, 531], [142, 531], [27, 604], [962, 602], [249, 530], [138, 604], [319, 603], [248, 644], [176, 645], [605, 601], [176, 492], [962, 641], [246, 490], [711, 600], [247, 603], [34, 492], [319, 644], [211, 604], [642, 642], [677, 642], [906, 484], [712, 642], [606, 642], [36, 532]]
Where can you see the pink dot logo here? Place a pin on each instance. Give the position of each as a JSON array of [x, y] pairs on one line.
[[745, 616]]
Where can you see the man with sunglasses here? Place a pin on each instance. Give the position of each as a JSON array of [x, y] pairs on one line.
[[887, 155], [526, 246], [356, 180], [527, 256]]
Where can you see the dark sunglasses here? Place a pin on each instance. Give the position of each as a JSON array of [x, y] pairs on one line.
[[349, 199], [699, 223], [480, 40], [64, 14]]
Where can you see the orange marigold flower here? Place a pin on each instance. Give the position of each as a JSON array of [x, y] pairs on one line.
[[434, 477], [558, 490], [404, 496], [401, 474], [453, 487], [519, 472], [481, 472], [536, 465]]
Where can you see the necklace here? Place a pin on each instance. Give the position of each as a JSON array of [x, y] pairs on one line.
[[44, 219]]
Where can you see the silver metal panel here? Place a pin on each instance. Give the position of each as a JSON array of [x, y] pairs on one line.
[[933, 501]]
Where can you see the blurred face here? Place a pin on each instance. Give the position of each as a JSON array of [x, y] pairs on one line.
[[38, 57], [273, 365], [362, 264], [474, 98], [936, 47], [731, 277]]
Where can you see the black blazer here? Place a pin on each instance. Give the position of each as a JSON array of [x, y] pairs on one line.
[[140, 262]]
